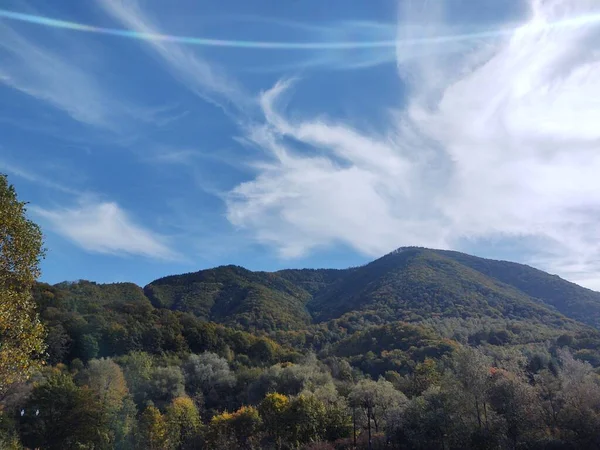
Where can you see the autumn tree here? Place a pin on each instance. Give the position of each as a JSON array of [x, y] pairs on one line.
[[235, 430], [105, 378], [273, 411], [183, 422], [152, 430], [21, 333]]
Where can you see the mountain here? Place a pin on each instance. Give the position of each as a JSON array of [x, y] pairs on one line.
[[233, 295], [569, 298], [412, 284]]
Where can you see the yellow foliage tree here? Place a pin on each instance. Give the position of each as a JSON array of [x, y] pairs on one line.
[[272, 411], [152, 432], [235, 430], [21, 249], [183, 421]]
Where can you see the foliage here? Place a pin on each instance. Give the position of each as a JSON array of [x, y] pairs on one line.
[[60, 415], [153, 431], [21, 333], [184, 424], [420, 349], [235, 430], [234, 296]]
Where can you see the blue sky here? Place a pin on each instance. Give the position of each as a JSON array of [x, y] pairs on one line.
[[154, 137]]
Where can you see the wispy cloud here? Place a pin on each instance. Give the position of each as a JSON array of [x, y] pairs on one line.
[[58, 79], [94, 225], [354, 189], [203, 78], [47, 76], [103, 227], [498, 138], [36, 178]]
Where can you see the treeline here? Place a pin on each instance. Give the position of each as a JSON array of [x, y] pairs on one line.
[[469, 399], [80, 327], [88, 366]]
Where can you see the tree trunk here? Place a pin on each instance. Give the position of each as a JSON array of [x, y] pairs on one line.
[[478, 412], [354, 425], [369, 427]]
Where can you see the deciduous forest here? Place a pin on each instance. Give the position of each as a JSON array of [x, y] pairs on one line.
[[420, 349]]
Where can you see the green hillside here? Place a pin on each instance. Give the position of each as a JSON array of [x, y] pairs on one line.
[[234, 296], [410, 285], [414, 284], [570, 299]]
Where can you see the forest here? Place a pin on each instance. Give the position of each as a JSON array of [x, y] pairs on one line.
[[420, 349]]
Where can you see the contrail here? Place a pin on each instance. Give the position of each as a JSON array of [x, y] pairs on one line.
[[273, 45]]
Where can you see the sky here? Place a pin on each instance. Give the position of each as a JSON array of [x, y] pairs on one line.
[[153, 138]]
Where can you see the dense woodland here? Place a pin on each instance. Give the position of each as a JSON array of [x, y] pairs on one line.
[[420, 349]]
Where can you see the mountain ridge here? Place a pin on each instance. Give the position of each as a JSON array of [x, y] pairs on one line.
[[410, 284]]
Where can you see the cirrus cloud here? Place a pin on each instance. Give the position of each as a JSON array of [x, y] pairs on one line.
[[498, 139]]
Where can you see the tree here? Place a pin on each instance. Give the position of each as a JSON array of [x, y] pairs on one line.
[[152, 430], [235, 430], [210, 375], [183, 421], [306, 419], [166, 383], [58, 343], [137, 368], [518, 405], [425, 375], [579, 415], [472, 371], [273, 411], [21, 249], [105, 378], [60, 415], [376, 399]]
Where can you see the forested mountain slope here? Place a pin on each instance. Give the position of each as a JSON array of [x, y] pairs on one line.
[[413, 284], [569, 298], [234, 295], [410, 284], [416, 339]]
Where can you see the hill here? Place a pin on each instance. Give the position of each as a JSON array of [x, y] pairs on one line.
[[234, 296], [570, 299], [410, 285], [413, 284]]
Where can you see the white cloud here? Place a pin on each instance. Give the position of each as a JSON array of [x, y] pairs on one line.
[[105, 228], [500, 138], [59, 79], [45, 75], [204, 79], [354, 189]]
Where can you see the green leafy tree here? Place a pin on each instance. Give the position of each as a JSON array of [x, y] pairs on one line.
[[21, 249], [59, 415], [306, 420], [377, 399], [183, 420], [273, 410], [235, 430]]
